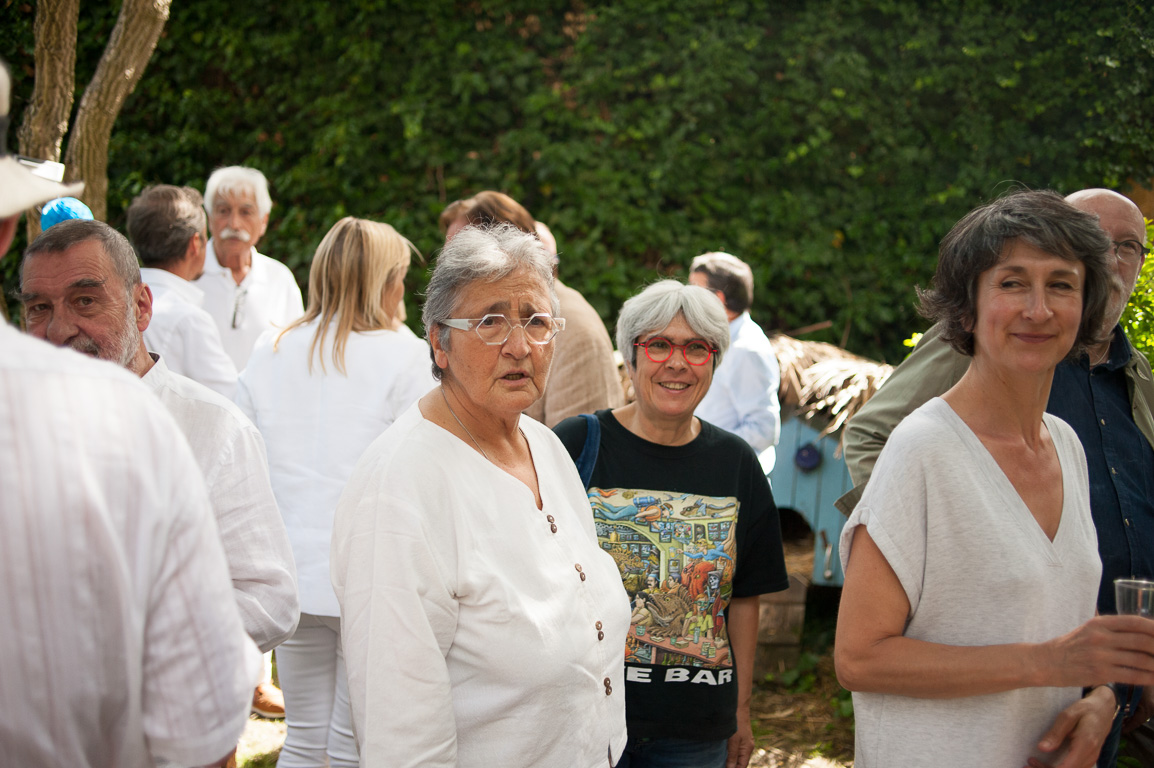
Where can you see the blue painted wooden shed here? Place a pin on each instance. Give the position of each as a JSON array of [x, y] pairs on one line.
[[821, 387], [808, 478]]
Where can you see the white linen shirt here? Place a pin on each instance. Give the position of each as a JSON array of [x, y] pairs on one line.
[[316, 425], [743, 396], [267, 298], [230, 453], [120, 642], [184, 334], [475, 635]]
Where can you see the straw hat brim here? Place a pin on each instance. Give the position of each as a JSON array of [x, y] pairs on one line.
[[20, 189]]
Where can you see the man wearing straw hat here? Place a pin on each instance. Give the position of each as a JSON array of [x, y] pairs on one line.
[[120, 645]]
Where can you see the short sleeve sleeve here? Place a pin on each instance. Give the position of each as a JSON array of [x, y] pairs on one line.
[[893, 510], [760, 560]]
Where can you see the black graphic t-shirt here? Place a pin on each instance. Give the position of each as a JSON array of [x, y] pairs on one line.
[[690, 527]]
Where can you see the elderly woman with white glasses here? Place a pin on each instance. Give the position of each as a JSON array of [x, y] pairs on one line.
[[687, 513], [482, 624]]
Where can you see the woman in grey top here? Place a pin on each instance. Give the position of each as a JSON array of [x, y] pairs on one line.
[[967, 627]]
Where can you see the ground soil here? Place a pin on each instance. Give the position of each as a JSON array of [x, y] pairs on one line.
[[798, 724]]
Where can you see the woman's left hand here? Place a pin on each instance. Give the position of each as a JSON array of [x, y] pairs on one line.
[[740, 747], [1085, 724]]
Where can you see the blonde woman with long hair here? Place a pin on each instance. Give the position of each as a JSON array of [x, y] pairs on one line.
[[320, 392]]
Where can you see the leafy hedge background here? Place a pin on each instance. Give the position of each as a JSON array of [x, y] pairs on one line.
[[830, 144]]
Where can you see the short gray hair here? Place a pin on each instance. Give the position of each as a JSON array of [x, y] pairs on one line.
[[235, 179], [75, 231], [480, 254], [657, 306], [161, 221], [726, 273]]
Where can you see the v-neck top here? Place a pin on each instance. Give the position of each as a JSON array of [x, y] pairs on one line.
[[977, 570], [479, 631]]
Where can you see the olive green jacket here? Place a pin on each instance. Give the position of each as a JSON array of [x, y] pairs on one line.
[[932, 368]]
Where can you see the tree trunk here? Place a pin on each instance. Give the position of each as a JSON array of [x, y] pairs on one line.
[[128, 51], [46, 119]]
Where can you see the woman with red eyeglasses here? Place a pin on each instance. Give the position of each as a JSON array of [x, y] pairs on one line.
[[681, 504]]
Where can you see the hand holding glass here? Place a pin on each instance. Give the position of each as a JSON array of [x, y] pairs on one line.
[[1134, 597]]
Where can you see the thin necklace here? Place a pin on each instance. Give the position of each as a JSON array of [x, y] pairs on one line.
[[1101, 359], [467, 432]]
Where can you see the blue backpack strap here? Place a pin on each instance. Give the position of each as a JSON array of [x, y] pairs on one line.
[[588, 458]]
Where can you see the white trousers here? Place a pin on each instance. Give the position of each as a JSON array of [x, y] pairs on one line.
[[311, 667]]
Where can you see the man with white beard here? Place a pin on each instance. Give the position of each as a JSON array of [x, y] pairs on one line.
[[246, 292], [81, 288]]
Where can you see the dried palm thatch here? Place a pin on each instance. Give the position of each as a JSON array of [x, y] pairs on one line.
[[823, 383]]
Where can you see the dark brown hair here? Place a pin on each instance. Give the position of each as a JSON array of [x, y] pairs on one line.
[[979, 241]]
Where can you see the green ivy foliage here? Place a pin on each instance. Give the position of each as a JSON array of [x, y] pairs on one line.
[[1138, 318], [829, 144]]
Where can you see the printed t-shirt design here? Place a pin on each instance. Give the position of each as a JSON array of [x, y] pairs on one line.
[[675, 553]]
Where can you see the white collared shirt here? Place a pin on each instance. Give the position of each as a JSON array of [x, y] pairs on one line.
[[267, 298], [743, 396], [479, 631], [230, 452], [120, 641], [184, 334], [316, 426]]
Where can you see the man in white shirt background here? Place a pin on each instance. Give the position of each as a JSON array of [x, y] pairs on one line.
[[743, 397], [166, 225], [245, 291], [120, 645], [81, 288]]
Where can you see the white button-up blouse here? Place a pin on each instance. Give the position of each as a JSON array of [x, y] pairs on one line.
[[479, 631]]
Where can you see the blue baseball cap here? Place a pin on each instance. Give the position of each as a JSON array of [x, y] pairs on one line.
[[63, 209]]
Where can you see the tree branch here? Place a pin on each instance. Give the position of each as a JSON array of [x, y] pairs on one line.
[[129, 49], [46, 118]]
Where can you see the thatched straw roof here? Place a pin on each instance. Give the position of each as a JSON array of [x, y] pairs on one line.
[[825, 384]]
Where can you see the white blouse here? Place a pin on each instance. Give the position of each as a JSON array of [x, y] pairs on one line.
[[977, 570], [479, 631], [316, 425]]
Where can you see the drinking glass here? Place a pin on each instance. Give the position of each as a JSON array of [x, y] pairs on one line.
[[1134, 597]]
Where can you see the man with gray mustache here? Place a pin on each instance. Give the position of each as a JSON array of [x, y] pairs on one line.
[[246, 292]]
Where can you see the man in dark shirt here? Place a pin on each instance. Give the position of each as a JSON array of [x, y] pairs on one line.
[[1106, 396]]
